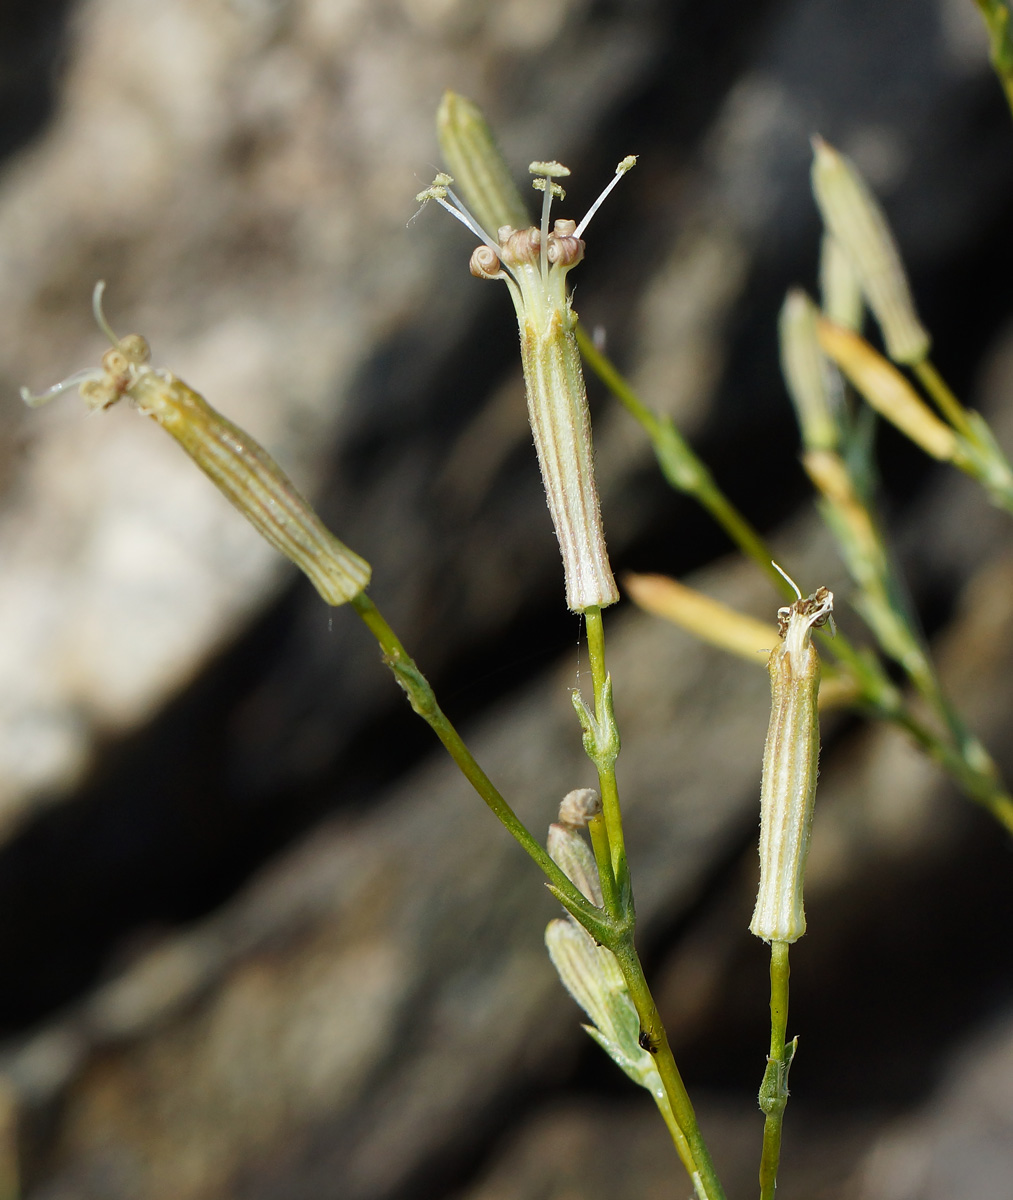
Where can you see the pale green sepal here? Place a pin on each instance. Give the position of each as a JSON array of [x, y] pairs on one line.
[[573, 856], [591, 975]]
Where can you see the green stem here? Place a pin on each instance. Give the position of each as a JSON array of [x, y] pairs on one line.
[[423, 701], [602, 847], [774, 1088], [601, 739], [604, 758], [976, 782], [686, 472], [998, 21], [969, 765], [943, 396], [692, 1149], [679, 463]]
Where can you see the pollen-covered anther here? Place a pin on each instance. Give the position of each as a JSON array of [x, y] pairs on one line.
[[564, 248], [542, 184], [437, 190], [485, 263]]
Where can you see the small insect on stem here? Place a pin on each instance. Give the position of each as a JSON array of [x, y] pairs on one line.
[[790, 763], [648, 1042]]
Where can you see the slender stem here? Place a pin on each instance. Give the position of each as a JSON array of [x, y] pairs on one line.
[[978, 785], [606, 762], [423, 701], [680, 464], [602, 848], [603, 748], [698, 1163], [774, 1088], [943, 396], [682, 1146], [684, 469]]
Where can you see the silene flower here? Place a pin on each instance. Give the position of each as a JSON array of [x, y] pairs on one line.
[[534, 263], [237, 465]]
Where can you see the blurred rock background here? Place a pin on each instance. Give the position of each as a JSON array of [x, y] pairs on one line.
[[258, 940]]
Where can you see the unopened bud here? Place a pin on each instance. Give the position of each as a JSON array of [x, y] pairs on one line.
[[592, 976], [573, 856], [805, 371], [852, 214], [840, 289], [578, 807], [887, 391], [481, 175], [790, 763], [700, 615]]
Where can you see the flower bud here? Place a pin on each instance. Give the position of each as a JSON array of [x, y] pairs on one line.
[[887, 391], [805, 371], [700, 615], [578, 807], [840, 289], [851, 213], [588, 971], [473, 157], [573, 856]]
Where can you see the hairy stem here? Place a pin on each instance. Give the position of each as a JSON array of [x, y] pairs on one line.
[[774, 1088]]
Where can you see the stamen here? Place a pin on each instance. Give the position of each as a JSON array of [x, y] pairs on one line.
[[628, 163], [65, 385], [439, 190], [788, 579], [541, 184], [460, 210], [548, 171], [100, 317]]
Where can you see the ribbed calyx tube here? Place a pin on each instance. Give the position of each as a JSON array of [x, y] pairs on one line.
[[561, 427], [247, 475], [790, 764]]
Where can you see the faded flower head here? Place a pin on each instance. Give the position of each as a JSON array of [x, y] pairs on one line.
[[240, 468], [790, 764]]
